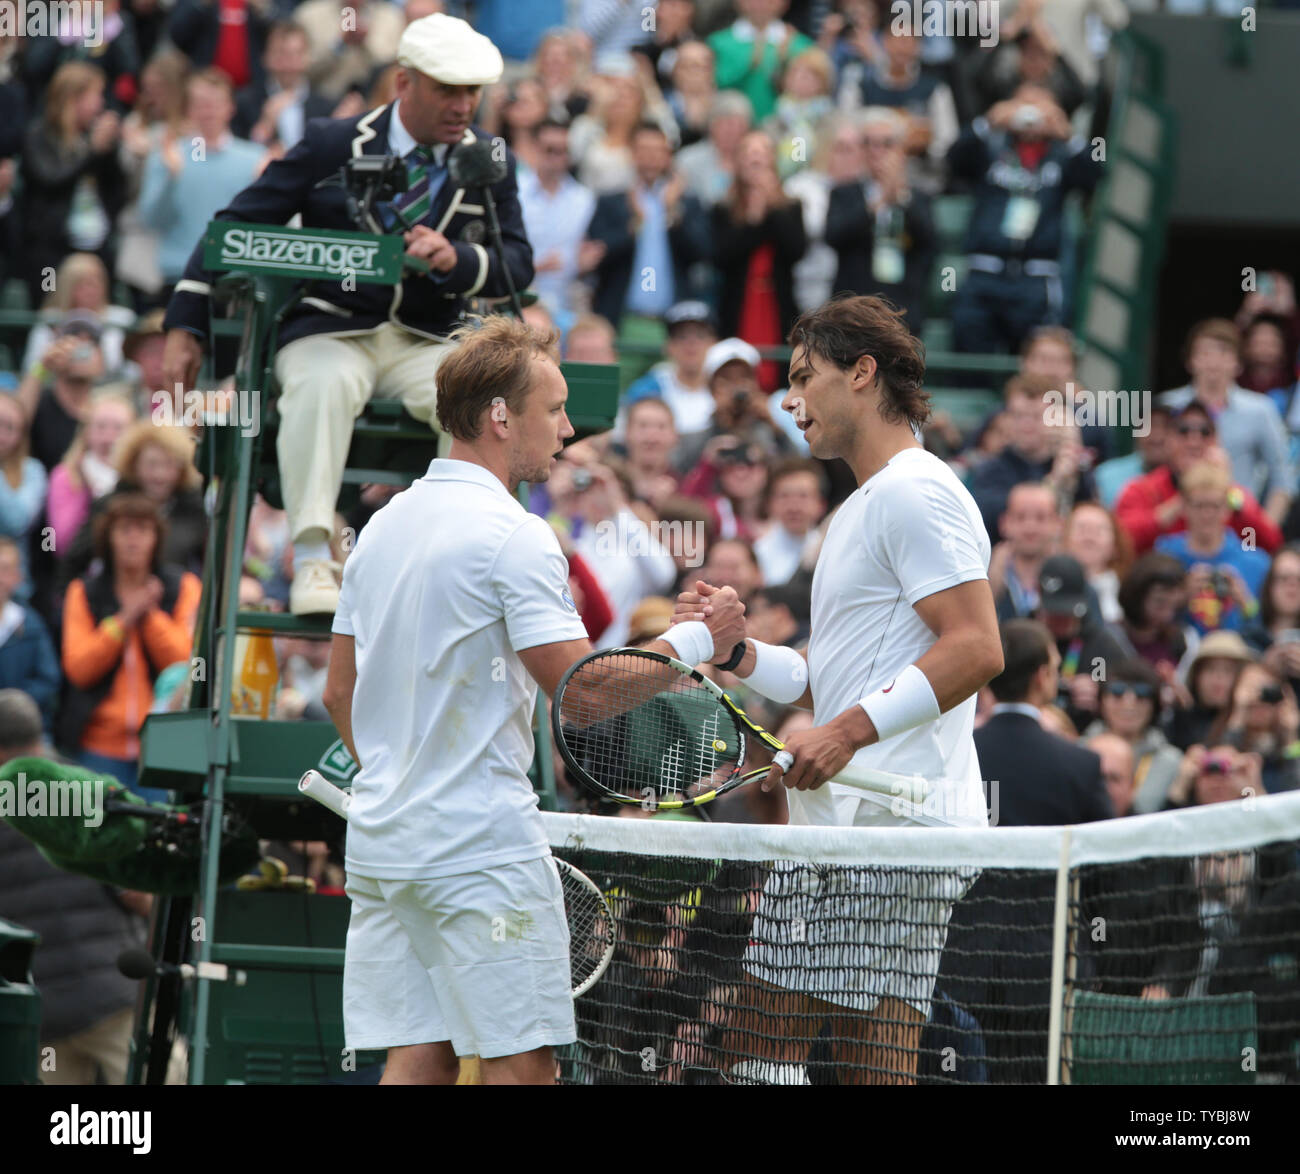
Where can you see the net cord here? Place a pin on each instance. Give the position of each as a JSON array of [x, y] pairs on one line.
[[1221, 827]]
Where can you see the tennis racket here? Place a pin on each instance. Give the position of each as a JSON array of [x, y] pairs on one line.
[[592, 928], [642, 728]]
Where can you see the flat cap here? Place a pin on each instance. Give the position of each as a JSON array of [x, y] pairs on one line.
[[449, 51]]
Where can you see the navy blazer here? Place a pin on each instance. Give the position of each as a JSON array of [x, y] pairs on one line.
[[429, 305], [1041, 778]]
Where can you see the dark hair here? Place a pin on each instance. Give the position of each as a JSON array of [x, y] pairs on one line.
[[1026, 647], [792, 465], [20, 723], [796, 595], [1267, 616], [1149, 572], [287, 28], [850, 326], [117, 508], [549, 123], [1138, 672]]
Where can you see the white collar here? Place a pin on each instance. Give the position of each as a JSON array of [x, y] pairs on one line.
[[11, 619], [401, 142], [447, 469], [744, 30], [1021, 707]]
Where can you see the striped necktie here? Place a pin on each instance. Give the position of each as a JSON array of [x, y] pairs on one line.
[[416, 201]]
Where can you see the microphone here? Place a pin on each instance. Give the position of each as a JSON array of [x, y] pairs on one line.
[[138, 963], [475, 165]]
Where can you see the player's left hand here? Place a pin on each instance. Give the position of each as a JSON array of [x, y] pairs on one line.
[[819, 754]]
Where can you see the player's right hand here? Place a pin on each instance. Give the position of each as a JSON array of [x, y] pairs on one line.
[[182, 357], [694, 605], [726, 622]]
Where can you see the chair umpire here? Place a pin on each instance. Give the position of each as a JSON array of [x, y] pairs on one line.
[[342, 345]]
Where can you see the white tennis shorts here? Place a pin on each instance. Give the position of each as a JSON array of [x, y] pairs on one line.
[[480, 959], [854, 936]]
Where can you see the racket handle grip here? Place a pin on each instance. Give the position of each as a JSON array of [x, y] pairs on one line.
[[784, 759], [914, 790], [318, 787]]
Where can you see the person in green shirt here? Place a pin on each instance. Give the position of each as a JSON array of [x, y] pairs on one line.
[[752, 52]]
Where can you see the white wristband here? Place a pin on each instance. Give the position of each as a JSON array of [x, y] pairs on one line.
[[692, 641], [780, 674], [906, 702]]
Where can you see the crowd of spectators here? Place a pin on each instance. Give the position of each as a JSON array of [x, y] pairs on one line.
[[689, 184]]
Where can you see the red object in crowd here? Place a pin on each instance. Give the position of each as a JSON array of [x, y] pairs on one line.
[[760, 312], [232, 54], [597, 613], [126, 89], [1138, 501]]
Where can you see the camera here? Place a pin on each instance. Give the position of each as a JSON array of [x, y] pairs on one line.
[[1026, 117], [736, 455], [582, 480], [1270, 695], [1221, 584], [1216, 764]]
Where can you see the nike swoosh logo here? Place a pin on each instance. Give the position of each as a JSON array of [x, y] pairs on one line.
[[891, 684]]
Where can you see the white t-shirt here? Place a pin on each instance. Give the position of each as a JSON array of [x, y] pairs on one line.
[[447, 583], [912, 530], [779, 552]]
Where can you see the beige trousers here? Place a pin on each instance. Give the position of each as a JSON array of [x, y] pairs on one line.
[[102, 1050], [325, 384]]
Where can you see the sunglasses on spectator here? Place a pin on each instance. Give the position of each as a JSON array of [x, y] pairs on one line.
[[1195, 430], [874, 141], [78, 380], [1141, 691]]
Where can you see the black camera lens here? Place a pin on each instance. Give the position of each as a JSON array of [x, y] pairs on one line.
[[1271, 695]]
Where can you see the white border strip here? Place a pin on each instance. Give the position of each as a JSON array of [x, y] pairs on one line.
[[1222, 827]]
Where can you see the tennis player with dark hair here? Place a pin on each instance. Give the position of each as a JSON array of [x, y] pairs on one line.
[[903, 634], [454, 608]]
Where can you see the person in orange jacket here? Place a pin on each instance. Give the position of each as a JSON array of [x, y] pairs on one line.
[[122, 625]]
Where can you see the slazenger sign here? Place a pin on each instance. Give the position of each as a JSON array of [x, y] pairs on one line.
[[322, 254]]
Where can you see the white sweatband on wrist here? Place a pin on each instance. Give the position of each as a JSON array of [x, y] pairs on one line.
[[906, 702], [692, 641], [780, 674]]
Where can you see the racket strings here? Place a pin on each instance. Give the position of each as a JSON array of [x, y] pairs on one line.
[[645, 731]]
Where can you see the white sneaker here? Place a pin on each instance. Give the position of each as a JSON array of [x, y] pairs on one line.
[[315, 589]]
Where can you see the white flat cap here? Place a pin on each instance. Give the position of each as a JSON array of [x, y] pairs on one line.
[[729, 350], [449, 51]]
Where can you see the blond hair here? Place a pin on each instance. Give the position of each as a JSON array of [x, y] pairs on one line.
[[71, 270], [70, 81], [1204, 477], [114, 393], [174, 441], [493, 357], [13, 463]]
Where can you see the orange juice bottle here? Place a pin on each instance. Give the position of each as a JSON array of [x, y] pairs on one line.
[[258, 676]]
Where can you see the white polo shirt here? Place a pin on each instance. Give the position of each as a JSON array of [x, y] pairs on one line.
[[910, 531], [447, 583]]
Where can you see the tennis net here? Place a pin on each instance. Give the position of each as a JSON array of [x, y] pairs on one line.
[[1159, 949]]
